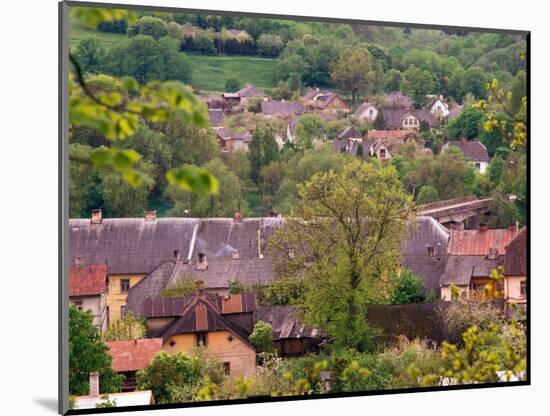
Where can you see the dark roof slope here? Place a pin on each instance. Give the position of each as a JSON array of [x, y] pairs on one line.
[[250, 91], [461, 269], [282, 107], [130, 245], [424, 232], [217, 117], [393, 117], [349, 133], [285, 322], [472, 149], [515, 259]]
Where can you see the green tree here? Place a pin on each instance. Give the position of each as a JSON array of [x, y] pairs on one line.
[[309, 127], [233, 84], [354, 72], [394, 78], [149, 26], [427, 194], [269, 45], [417, 83], [379, 123], [475, 80], [263, 150], [88, 353], [467, 125], [345, 236], [127, 328], [282, 91], [90, 54], [262, 337], [408, 289], [222, 204]]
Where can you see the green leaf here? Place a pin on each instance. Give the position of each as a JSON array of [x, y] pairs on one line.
[[192, 178]]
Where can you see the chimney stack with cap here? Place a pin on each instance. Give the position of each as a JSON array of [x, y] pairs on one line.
[[238, 217], [96, 216], [150, 215], [202, 264], [79, 261], [94, 384], [483, 227], [493, 253]]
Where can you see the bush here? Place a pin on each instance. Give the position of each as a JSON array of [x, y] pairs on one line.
[[204, 44], [262, 337], [408, 289], [462, 314], [184, 286], [427, 194], [127, 328]]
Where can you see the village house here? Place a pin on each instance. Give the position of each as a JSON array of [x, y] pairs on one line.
[[425, 251], [216, 116], [250, 92], [229, 142], [515, 271], [219, 324], [437, 106], [349, 141], [130, 356], [474, 150], [125, 399], [324, 101], [232, 102], [407, 119], [282, 108], [366, 112], [87, 289], [473, 255]]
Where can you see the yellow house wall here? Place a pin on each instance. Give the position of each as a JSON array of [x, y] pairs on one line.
[[115, 298], [240, 355]]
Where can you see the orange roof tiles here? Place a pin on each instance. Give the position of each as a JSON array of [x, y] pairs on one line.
[[87, 280], [478, 242], [133, 355]]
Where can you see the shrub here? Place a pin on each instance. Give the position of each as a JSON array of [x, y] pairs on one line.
[[127, 328], [204, 44], [149, 26], [269, 45], [232, 85], [184, 286], [408, 289], [262, 337]]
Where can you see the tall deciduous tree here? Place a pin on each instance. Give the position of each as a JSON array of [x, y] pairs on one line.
[[263, 150], [344, 239], [88, 353], [418, 83], [354, 71]]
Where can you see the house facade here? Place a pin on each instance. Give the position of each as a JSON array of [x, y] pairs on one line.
[[515, 271], [473, 255], [366, 112], [438, 107], [474, 150], [407, 119], [87, 290]]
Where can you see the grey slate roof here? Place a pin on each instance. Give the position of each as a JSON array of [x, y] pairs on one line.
[[282, 107], [285, 322], [472, 149], [130, 245], [461, 269], [216, 117], [424, 232], [348, 133], [397, 100], [250, 91]]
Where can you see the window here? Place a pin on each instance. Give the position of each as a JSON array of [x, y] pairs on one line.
[[477, 165], [371, 111], [124, 285], [227, 368], [122, 311], [382, 153], [78, 304], [523, 288], [108, 316], [201, 339], [431, 251]]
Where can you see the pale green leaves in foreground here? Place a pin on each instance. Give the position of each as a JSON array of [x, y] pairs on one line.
[[115, 107]]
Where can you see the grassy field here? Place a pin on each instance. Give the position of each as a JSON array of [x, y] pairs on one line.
[[209, 72]]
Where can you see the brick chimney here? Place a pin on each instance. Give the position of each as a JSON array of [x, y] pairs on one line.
[[199, 284], [96, 216], [464, 140], [202, 264], [483, 227], [150, 215], [94, 384], [238, 217]]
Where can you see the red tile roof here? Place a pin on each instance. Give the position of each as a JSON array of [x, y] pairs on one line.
[[133, 355], [389, 134], [87, 280], [478, 242]]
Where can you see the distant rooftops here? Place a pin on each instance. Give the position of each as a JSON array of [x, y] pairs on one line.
[[472, 149]]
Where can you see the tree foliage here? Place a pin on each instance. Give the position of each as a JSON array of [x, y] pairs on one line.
[[128, 328], [354, 72], [408, 289], [347, 238], [88, 353], [262, 337]]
